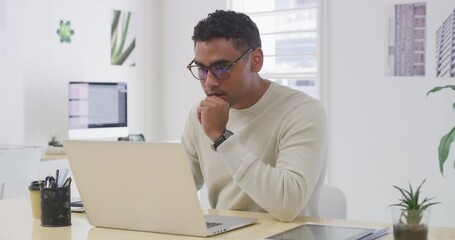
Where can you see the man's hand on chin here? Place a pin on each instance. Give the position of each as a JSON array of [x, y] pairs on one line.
[[213, 114]]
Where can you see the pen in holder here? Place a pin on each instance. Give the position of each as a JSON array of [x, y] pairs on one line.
[[55, 206]]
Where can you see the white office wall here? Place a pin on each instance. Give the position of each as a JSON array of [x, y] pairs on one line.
[[35, 68], [384, 130], [180, 91]]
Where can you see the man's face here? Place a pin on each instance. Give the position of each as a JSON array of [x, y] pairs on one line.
[[235, 89]]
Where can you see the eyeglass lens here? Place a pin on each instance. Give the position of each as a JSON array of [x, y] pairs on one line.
[[219, 71]]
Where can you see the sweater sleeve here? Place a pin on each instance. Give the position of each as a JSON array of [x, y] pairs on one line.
[[188, 140], [284, 189]]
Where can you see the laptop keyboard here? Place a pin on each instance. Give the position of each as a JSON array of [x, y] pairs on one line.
[[212, 224]]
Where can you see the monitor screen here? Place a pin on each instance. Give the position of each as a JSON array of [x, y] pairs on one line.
[[97, 110]]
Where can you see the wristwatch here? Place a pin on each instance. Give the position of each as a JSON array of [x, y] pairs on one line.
[[225, 135]]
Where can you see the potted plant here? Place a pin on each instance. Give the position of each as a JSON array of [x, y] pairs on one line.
[[410, 217], [54, 142], [446, 140]]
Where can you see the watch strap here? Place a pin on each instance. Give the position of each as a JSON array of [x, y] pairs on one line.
[[225, 135]]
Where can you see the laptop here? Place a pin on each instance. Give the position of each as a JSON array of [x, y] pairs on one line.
[[142, 186]]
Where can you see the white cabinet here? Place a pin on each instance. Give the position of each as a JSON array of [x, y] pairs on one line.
[[18, 167]]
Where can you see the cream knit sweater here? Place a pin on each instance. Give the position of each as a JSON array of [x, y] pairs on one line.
[[274, 161]]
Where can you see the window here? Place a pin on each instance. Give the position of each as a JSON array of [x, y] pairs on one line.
[[289, 33]]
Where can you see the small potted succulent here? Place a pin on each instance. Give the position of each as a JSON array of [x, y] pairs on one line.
[[410, 217], [54, 142]]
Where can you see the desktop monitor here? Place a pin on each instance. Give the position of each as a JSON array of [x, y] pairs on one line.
[[97, 110]]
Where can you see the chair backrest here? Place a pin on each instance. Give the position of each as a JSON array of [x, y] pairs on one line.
[[332, 202], [2, 187]]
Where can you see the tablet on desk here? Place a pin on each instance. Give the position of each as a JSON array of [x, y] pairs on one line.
[[313, 231]]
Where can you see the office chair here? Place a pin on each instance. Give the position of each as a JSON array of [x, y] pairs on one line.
[[332, 202], [2, 187]]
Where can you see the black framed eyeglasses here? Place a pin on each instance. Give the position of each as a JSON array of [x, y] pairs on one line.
[[220, 71]]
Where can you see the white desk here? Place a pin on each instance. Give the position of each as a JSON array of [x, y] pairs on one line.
[[16, 223]]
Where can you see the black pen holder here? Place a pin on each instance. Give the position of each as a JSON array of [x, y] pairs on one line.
[[55, 206]]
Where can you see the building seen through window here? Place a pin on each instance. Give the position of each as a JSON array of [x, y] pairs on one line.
[[289, 33]]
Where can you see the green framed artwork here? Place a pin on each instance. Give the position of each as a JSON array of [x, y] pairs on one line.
[[65, 32], [123, 39]]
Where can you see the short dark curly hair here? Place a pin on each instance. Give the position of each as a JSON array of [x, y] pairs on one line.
[[230, 25]]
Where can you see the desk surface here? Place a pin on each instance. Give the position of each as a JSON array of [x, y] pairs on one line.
[[46, 157], [16, 223]]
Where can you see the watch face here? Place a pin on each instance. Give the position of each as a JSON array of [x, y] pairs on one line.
[[227, 134]]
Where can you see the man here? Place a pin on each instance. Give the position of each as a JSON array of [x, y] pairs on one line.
[[257, 145]]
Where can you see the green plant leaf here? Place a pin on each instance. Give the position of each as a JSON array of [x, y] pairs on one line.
[[425, 205], [114, 30], [115, 21], [444, 147], [446, 140], [124, 35], [436, 89], [125, 54]]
